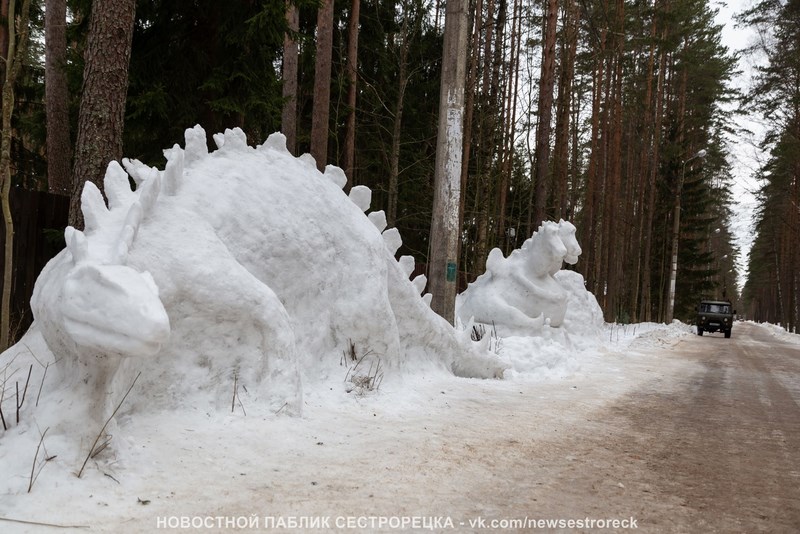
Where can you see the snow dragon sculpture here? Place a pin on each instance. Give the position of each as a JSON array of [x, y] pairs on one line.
[[240, 266], [519, 294]]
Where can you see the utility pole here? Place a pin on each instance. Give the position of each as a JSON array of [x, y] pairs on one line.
[[443, 257]]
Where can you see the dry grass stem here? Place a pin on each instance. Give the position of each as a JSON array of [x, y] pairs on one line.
[[34, 473], [92, 452], [41, 385]]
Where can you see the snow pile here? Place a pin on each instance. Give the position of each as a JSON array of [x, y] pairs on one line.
[[644, 336], [780, 333], [552, 353], [244, 272], [519, 295]]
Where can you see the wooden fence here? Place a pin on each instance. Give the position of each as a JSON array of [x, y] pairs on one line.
[[39, 222]]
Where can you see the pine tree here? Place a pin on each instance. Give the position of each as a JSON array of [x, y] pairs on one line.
[[59, 146], [773, 283], [105, 84]]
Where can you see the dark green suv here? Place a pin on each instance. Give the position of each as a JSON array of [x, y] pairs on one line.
[[715, 316]]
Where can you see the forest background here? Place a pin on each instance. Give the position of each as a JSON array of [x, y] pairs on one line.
[[613, 114]]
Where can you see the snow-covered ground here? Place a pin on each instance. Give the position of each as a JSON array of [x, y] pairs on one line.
[[398, 453]]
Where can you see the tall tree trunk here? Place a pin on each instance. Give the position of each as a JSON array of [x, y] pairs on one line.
[[16, 50], [676, 221], [394, 155], [3, 37], [561, 149], [59, 148], [469, 107], [612, 274], [546, 83], [443, 262], [101, 118], [290, 55], [591, 210], [352, 80], [652, 172], [322, 85], [510, 114]]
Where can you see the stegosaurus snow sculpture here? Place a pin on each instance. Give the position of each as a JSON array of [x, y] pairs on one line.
[[244, 265], [519, 294]]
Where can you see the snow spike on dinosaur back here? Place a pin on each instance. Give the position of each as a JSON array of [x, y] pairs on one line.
[[495, 260], [407, 265], [361, 196], [149, 191], [420, 282], [117, 186], [392, 239], [276, 141], [93, 207], [219, 140], [128, 233], [136, 169], [309, 161], [378, 218], [196, 145], [335, 174], [77, 244], [234, 140], [427, 298], [173, 172]]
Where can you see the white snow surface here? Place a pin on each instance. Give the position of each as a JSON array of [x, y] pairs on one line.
[[348, 455], [225, 292]]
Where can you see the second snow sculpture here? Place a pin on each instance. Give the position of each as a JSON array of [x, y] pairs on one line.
[[518, 294]]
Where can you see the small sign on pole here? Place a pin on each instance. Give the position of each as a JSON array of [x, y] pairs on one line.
[[451, 271]]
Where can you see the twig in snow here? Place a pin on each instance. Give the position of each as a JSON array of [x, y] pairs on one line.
[[233, 400], [27, 381], [2, 417], [236, 394], [41, 385], [24, 392], [110, 417], [35, 475]]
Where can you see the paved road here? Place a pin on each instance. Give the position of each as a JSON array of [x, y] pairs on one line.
[[718, 450], [733, 446], [732, 433]]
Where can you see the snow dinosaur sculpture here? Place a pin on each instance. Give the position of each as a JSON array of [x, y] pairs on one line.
[[519, 294], [241, 266]]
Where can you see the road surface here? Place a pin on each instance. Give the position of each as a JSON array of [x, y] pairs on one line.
[[715, 447]]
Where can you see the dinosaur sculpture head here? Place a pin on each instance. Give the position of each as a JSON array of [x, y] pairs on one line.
[[566, 230], [106, 305], [114, 309], [544, 250]]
